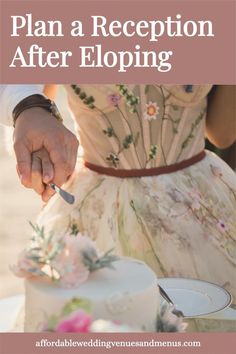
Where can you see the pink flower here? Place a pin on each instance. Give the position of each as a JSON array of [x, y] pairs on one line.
[[216, 171], [176, 196], [63, 259], [195, 205], [221, 225], [72, 272], [69, 261], [24, 265], [152, 111], [113, 99], [79, 322], [195, 195]]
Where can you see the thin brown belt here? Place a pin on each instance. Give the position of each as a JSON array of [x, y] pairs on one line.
[[125, 173]]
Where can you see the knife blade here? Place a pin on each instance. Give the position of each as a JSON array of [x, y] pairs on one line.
[[69, 198], [165, 296]]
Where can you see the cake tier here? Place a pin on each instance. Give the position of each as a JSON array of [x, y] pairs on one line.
[[128, 293]]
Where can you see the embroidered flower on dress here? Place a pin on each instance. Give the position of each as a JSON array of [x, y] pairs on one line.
[[216, 171], [195, 205], [195, 195], [176, 196], [114, 99], [113, 159], [222, 226], [152, 110]]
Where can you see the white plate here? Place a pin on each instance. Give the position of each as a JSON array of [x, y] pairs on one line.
[[195, 297], [9, 309]]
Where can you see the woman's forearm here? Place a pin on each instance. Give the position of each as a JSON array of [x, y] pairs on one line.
[[50, 91], [221, 116]]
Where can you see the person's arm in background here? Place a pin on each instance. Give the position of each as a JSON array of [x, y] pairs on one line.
[[221, 116], [50, 91], [10, 95], [35, 130]]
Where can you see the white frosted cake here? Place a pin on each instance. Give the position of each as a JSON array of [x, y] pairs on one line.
[[119, 294], [65, 270]]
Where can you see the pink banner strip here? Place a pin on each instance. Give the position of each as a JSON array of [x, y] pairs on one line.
[[117, 343], [118, 41]]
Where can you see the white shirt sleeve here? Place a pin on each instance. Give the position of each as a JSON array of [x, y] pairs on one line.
[[11, 95]]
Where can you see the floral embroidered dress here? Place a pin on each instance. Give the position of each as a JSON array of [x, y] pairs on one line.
[[183, 224]]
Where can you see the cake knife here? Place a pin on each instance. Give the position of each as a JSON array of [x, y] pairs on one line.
[[69, 198], [165, 296]]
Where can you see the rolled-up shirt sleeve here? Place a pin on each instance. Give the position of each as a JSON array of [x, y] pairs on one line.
[[11, 95]]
